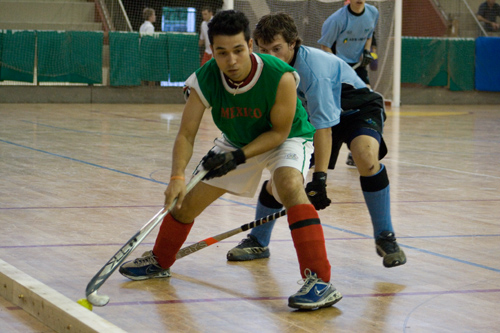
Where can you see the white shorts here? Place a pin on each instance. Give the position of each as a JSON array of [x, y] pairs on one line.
[[244, 180]]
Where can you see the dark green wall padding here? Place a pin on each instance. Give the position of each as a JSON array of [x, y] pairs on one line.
[[445, 62], [18, 55]]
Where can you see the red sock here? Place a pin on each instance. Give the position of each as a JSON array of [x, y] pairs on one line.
[[309, 241], [170, 239]]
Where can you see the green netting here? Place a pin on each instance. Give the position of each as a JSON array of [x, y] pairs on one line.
[[53, 56], [154, 57], [461, 64], [184, 56], [157, 57], [18, 56], [424, 61], [70, 56], [124, 59], [76, 56]]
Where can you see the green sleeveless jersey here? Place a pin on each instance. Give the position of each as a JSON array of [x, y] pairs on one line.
[[242, 114]]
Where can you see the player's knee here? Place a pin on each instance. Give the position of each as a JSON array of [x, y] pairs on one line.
[[365, 156], [366, 160], [185, 214], [290, 186], [181, 217]]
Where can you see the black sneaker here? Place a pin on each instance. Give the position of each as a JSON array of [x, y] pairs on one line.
[[350, 160], [388, 248], [248, 249]]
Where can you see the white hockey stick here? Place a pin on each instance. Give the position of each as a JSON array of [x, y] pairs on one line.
[[357, 65], [120, 256]]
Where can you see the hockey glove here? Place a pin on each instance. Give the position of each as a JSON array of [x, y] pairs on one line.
[[367, 58], [220, 164], [316, 191]]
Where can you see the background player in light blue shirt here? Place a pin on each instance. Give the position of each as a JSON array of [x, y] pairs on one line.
[[342, 109], [348, 33]]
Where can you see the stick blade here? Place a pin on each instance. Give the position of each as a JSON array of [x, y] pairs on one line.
[[97, 300]]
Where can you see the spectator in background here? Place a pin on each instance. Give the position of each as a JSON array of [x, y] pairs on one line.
[[147, 27], [487, 13], [207, 14], [149, 16]]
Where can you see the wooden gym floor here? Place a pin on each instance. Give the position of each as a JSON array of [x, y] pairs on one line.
[[77, 181]]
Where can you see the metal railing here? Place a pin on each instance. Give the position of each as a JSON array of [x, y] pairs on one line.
[[473, 14], [462, 16], [115, 15]]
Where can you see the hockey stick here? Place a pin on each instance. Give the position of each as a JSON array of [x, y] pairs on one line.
[[185, 251], [120, 256], [373, 54], [357, 64]]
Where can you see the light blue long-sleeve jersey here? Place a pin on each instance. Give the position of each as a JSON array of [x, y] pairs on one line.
[[322, 77], [349, 31]]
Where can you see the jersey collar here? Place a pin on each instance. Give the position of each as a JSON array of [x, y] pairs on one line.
[[247, 84]]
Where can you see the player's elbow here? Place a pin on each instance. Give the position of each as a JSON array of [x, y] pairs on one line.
[[326, 49]]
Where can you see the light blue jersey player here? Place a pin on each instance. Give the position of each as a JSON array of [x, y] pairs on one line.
[[322, 78], [348, 33], [343, 110]]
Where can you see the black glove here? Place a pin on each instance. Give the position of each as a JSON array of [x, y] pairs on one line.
[[316, 191], [220, 164], [367, 58]]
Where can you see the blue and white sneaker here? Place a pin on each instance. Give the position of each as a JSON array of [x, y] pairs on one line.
[[314, 294], [143, 268]]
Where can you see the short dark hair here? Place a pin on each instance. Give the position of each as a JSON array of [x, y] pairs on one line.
[[228, 23], [274, 24]]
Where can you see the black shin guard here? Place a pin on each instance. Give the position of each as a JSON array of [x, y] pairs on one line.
[[375, 183], [267, 199]]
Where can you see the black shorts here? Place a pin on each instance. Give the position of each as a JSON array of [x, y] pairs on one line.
[[368, 120], [362, 73]]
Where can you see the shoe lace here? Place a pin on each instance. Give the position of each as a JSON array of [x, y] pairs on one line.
[[146, 259], [248, 242], [309, 280], [388, 243], [389, 246]]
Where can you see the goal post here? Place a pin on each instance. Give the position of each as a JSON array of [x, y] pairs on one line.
[[398, 29]]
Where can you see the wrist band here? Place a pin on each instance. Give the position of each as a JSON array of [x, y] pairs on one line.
[[177, 177], [239, 156]]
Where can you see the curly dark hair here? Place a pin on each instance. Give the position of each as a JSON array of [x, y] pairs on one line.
[[274, 24], [228, 23]]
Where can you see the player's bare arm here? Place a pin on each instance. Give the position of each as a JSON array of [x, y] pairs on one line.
[[368, 44], [282, 115], [183, 148], [322, 149]]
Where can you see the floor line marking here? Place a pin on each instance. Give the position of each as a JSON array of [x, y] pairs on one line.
[[273, 298]]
